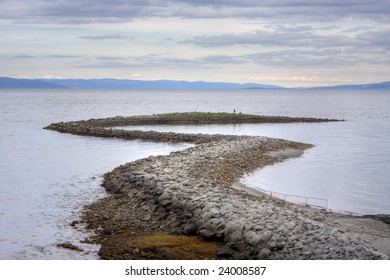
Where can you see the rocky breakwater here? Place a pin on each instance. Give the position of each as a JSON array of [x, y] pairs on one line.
[[104, 127], [188, 192]]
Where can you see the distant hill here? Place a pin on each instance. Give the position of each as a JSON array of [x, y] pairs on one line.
[[27, 83], [159, 84], [382, 85], [123, 84]]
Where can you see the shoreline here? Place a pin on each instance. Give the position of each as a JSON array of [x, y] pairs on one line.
[[189, 193]]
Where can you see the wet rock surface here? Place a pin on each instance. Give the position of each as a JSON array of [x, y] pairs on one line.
[[188, 193]]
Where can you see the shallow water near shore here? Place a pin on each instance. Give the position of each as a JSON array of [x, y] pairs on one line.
[[46, 176]]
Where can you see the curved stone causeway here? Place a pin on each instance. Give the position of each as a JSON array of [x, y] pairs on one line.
[[190, 192]]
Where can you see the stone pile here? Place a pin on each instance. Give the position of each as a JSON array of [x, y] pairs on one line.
[[103, 127], [189, 192]]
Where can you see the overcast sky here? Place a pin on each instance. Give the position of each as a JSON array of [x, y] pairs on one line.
[[283, 42]]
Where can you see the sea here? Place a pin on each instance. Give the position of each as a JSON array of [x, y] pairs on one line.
[[47, 177]]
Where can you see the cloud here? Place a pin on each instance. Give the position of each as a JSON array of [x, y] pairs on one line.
[[61, 56], [299, 36], [108, 65], [337, 52], [52, 77], [109, 58], [326, 58], [380, 38], [81, 11], [106, 37], [308, 59], [158, 61], [285, 78], [223, 59], [303, 46], [257, 37], [24, 56], [231, 38]]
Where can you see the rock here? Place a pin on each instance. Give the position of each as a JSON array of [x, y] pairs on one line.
[[74, 223], [70, 246], [165, 202], [233, 226], [270, 226], [225, 252], [253, 238], [233, 236], [290, 225], [213, 225], [265, 236], [232, 245], [385, 218], [264, 254], [189, 229], [272, 245], [239, 256], [136, 251], [310, 226], [206, 234], [211, 213]]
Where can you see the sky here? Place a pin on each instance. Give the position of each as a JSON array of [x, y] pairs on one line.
[[283, 42]]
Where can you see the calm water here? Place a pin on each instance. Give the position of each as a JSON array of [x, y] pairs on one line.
[[46, 176]]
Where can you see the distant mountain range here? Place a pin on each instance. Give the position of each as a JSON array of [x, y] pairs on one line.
[[26, 83], [382, 85], [122, 84], [10, 83]]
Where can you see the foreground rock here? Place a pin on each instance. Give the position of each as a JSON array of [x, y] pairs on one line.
[[189, 193]]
